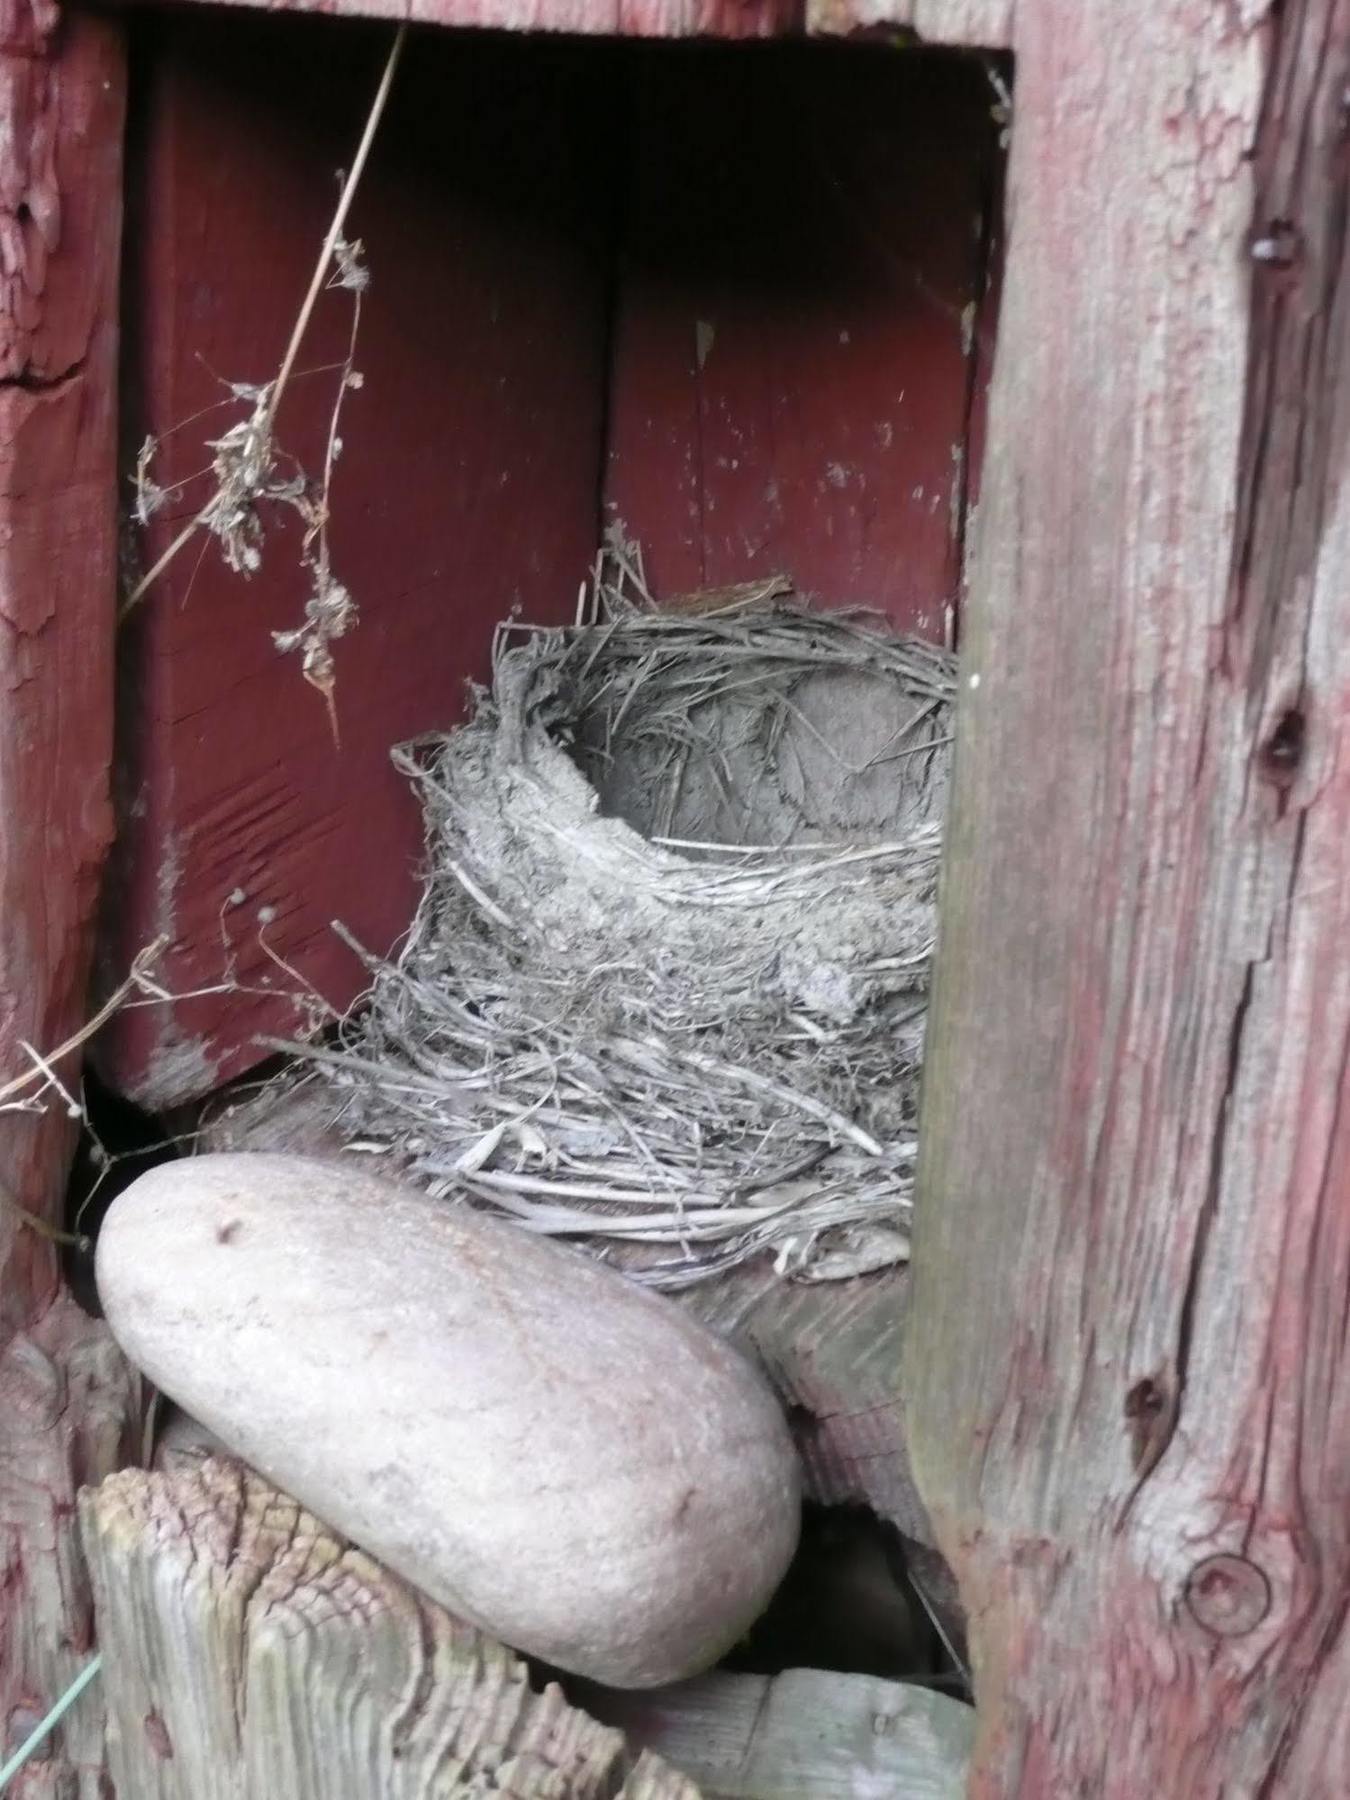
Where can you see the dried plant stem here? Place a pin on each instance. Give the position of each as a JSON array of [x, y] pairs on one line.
[[162, 562], [43, 1072], [302, 319], [344, 204], [134, 982], [53, 1233]]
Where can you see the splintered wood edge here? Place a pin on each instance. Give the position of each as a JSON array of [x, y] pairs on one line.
[[239, 1634]]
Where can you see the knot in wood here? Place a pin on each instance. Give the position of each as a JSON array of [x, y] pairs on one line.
[[1227, 1595]]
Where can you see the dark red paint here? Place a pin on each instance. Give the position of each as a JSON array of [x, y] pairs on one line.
[[557, 232]]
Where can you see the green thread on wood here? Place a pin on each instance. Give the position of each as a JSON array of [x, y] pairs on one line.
[[49, 1724]]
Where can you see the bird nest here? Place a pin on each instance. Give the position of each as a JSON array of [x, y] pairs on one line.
[[665, 990]]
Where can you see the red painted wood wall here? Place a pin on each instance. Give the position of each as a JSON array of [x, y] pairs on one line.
[[793, 359], [729, 294]]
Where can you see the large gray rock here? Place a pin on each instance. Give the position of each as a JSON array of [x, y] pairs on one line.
[[559, 1457]]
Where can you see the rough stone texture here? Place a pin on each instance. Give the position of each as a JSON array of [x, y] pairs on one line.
[[66, 1397]]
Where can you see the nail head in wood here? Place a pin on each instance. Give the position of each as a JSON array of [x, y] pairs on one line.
[[1227, 1595]]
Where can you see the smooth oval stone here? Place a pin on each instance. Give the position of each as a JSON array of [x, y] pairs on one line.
[[553, 1453]]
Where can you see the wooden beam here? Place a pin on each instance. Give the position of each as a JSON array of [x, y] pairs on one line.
[[65, 1395], [1134, 1240], [983, 23], [248, 1651]]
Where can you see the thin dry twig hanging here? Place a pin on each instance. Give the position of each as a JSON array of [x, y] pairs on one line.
[[249, 468]]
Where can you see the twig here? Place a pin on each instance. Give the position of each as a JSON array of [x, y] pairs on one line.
[[339, 220], [134, 980], [269, 400]]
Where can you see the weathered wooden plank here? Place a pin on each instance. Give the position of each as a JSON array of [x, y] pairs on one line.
[[65, 1394], [795, 325], [467, 485], [250, 1654], [1134, 1245], [807, 1734], [987, 23]]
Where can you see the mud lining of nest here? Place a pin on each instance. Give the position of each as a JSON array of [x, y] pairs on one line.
[[665, 990]]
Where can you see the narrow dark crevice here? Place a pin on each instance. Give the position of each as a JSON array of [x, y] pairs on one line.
[[989, 255], [1218, 1148], [118, 1142], [616, 202]]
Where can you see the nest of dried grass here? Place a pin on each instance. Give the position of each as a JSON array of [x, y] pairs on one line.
[[665, 990]]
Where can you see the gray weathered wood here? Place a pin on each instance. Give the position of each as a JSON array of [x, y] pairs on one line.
[[1128, 1369], [67, 1399], [249, 1654], [807, 1734]]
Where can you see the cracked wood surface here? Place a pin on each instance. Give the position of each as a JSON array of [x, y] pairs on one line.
[[252, 1655], [66, 1397], [984, 23], [1133, 1252]]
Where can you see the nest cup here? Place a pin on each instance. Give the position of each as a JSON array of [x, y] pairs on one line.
[[665, 990]]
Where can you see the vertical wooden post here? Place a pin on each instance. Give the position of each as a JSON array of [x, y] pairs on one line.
[[252, 1654], [1129, 1355], [65, 1396]]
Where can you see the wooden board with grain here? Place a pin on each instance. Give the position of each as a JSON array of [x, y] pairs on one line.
[[1133, 1251], [466, 487], [798, 331], [66, 1396], [248, 1652]]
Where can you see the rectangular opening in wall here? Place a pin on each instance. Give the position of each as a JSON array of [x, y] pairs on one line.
[[737, 299], [665, 430]]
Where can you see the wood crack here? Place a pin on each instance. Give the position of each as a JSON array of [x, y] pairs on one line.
[[1217, 1157], [33, 381]]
